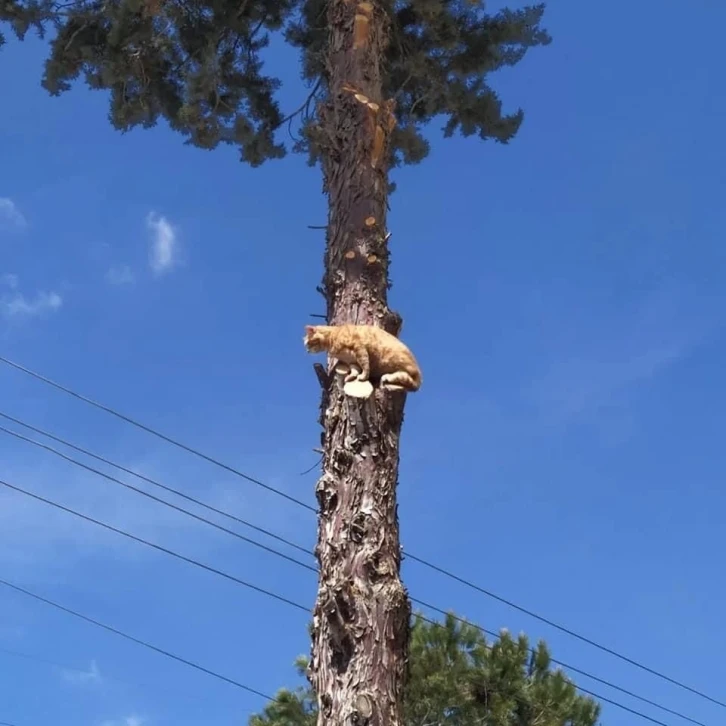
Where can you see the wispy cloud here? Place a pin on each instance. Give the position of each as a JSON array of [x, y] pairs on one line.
[[16, 305], [132, 720], [122, 275], [10, 216], [614, 355], [164, 250], [83, 678]]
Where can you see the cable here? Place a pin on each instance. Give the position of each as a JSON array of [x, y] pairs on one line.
[[158, 434], [153, 482], [420, 560], [312, 569], [65, 668], [157, 547], [168, 654], [154, 498], [302, 607], [138, 641], [39, 659], [560, 663], [579, 688], [562, 628]]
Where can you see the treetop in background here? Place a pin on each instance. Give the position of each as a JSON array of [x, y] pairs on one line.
[[198, 64], [457, 678]]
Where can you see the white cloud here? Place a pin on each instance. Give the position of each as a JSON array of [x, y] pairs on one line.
[[82, 678], [10, 216], [127, 721], [9, 280], [163, 243], [17, 305], [122, 275], [616, 354]]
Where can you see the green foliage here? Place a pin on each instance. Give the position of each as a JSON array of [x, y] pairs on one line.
[[457, 679], [198, 64]]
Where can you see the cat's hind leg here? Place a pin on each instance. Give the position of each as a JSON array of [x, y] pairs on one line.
[[398, 381]]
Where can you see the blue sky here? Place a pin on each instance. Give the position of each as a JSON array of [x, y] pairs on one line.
[[564, 295]]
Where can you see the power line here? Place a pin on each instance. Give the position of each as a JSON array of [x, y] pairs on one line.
[[420, 560], [154, 498], [310, 568], [579, 688], [66, 668], [272, 551], [313, 569], [159, 548], [40, 659], [231, 681], [296, 605], [563, 629], [158, 434], [148, 480], [560, 663], [133, 639]]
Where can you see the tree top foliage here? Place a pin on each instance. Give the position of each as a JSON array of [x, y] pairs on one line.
[[198, 64], [456, 678]]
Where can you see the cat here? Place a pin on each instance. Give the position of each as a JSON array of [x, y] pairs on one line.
[[368, 351]]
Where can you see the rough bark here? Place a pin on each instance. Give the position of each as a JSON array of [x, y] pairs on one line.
[[361, 618]]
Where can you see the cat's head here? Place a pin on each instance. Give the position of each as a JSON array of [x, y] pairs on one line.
[[315, 339]]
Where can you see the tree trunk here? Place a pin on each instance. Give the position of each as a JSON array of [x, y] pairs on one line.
[[361, 619]]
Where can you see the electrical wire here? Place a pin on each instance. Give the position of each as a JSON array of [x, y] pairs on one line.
[[299, 606], [560, 663], [313, 569], [158, 434], [65, 668], [133, 639], [159, 548], [176, 508], [275, 552], [219, 676], [420, 560], [40, 659], [148, 480]]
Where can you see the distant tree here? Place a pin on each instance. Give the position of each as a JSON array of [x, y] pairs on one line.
[[457, 679], [377, 71]]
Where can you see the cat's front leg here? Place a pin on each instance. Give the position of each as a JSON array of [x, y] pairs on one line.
[[364, 362]]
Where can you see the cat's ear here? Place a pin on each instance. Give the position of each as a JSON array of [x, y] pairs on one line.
[[309, 329]]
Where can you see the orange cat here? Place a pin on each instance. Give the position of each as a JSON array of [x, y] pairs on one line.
[[372, 350]]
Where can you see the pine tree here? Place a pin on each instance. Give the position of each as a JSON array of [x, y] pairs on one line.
[[458, 679], [378, 72]]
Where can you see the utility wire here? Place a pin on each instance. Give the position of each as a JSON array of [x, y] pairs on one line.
[[158, 434], [231, 681], [153, 482], [560, 663], [66, 668], [297, 562], [157, 547], [133, 639], [579, 688], [299, 606], [40, 659], [420, 560], [155, 498]]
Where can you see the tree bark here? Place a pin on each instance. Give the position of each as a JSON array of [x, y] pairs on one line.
[[361, 618]]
